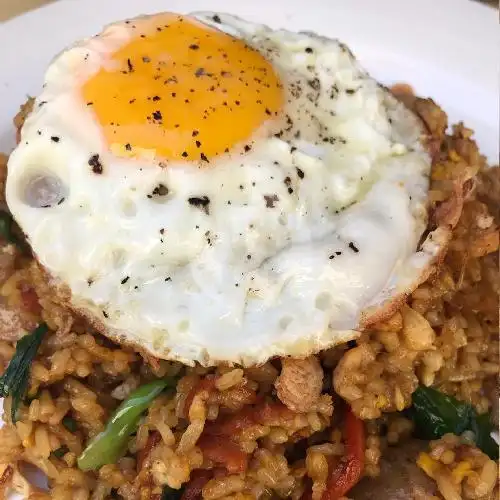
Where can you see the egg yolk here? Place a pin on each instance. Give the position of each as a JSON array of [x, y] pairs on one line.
[[183, 91]]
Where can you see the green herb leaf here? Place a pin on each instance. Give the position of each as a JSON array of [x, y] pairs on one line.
[[14, 382], [7, 231], [435, 414], [70, 424], [482, 428], [112, 442], [169, 493], [5, 226]]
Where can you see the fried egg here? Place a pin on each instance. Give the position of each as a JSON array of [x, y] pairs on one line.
[[210, 190]]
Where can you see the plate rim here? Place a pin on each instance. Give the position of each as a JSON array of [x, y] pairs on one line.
[[472, 28]]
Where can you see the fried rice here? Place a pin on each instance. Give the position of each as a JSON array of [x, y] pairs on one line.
[[276, 430]]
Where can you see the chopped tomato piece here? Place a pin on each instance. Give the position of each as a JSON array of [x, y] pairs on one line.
[[231, 424], [348, 471], [30, 300], [273, 413], [205, 384], [263, 413], [193, 489], [223, 451], [153, 439], [308, 492]]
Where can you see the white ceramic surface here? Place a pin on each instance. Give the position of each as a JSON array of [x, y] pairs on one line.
[[447, 49]]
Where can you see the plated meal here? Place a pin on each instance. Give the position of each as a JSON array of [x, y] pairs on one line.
[[235, 266]]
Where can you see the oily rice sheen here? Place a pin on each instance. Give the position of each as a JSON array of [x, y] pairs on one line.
[[283, 429]]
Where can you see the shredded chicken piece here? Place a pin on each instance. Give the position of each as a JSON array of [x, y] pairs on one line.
[[300, 382], [7, 260], [13, 323]]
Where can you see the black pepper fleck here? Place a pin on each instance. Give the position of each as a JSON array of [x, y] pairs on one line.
[[193, 46], [314, 83], [353, 247], [96, 164], [54, 138], [159, 190], [300, 173], [124, 280], [271, 199], [200, 202]]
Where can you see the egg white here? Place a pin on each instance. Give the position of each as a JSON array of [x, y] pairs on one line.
[[301, 236]]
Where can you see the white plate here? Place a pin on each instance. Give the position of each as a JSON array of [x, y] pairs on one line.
[[447, 49]]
